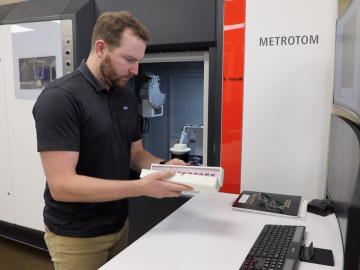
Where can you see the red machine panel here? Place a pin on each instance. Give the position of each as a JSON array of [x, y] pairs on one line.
[[232, 97]]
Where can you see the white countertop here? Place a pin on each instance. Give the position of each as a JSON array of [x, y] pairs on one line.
[[205, 233]]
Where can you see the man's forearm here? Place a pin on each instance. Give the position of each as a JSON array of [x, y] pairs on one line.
[[81, 188], [143, 160]]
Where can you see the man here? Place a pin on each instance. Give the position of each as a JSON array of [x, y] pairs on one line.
[[89, 136]]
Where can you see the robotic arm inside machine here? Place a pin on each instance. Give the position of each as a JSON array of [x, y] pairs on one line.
[[151, 99]]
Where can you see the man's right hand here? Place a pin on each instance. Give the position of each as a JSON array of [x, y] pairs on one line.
[[153, 185]]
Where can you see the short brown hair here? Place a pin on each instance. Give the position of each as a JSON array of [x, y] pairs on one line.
[[110, 26]]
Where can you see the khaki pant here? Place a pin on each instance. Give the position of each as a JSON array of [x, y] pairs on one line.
[[69, 253]]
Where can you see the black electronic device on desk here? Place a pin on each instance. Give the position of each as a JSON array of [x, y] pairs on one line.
[[277, 247], [280, 247], [320, 207]]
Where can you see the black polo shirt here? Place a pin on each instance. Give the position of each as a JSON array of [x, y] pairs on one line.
[[76, 113]]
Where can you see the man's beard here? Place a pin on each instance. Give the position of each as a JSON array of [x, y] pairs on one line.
[[109, 74]]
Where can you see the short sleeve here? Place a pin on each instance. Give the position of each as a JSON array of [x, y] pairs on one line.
[[57, 117]]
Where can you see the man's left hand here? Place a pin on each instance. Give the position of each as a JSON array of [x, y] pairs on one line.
[[176, 161]]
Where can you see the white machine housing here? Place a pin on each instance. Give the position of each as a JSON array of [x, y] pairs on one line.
[[288, 90], [22, 176]]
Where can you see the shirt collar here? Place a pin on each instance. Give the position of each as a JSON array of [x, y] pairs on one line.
[[84, 69]]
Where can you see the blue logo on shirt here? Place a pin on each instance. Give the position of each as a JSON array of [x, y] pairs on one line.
[[126, 108]]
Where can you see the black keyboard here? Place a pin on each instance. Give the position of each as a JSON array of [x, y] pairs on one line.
[[276, 248]]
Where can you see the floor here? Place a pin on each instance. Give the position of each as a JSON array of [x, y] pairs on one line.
[[18, 256]]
